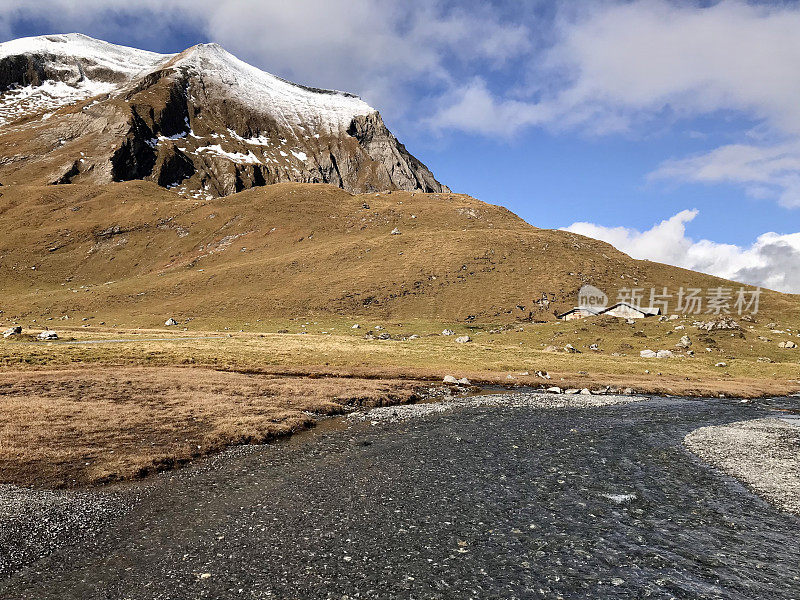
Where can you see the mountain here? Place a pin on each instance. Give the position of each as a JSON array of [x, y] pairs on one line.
[[168, 210], [201, 123], [134, 253]]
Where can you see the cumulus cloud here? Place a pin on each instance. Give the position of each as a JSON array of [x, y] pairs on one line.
[[476, 110], [772, 261]]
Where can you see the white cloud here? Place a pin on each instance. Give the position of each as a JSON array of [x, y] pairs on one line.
[[379, 49], [766, 171], [772, 261], [476, 110], [619, 66], [651, 54]]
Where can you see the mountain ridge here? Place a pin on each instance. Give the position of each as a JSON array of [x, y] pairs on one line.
[[200, 122]]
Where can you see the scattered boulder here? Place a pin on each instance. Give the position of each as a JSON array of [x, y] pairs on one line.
[[764, 359], [464, 381], [552, 349], [594, 347], [572, 391], [685, 342], [656, 354], [16, 330], [788, 344], [395, 231], [170, 322], [448, 332], [356, 326], [721, 364], [450, 379], [47, 335], [463, 339], [554, 390], [384, 336], [715, 324], [586, 392], [569, 348], [283, 331], [543, 374]]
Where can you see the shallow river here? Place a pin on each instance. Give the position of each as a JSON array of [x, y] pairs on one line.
[[478, 502]]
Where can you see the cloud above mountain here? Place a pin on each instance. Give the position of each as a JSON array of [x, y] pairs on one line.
[[376, 48], [772, 261]]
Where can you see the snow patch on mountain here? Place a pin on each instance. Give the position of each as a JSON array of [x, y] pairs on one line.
[[17, 101], [236, 157]]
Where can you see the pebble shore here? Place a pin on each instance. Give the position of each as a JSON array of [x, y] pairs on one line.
[[764, 454]]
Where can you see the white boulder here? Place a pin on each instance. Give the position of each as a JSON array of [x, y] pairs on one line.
[[16, 330]]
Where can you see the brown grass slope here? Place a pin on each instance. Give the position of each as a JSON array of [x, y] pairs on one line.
[[134, 253]]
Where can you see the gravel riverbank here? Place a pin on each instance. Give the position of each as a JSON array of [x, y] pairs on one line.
[[394, 414], [762, 453]]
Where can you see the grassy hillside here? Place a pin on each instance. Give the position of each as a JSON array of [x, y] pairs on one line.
[[133, 254]]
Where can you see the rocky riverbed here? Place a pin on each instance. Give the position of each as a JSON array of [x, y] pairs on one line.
[[501, 498]]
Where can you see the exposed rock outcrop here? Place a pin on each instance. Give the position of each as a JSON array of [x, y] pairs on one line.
[[201, 123]]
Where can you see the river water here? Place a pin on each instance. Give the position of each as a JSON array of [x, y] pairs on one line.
[[477, 502]]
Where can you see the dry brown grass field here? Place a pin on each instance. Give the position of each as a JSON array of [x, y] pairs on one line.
[[87, 426]]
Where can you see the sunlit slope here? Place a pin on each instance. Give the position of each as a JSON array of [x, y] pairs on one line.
[[135, 252]]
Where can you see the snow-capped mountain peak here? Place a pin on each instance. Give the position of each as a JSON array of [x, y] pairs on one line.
[[296, 105], [200, 122]]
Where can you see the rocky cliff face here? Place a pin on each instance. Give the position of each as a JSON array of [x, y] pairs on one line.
[[201, 123]]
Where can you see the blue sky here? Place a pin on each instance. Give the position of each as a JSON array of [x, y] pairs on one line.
[[669, 128]]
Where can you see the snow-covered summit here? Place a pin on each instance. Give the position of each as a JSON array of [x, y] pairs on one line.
[[201, 122], [44, 73], [73, 66], [290, 104], [81, 51]]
